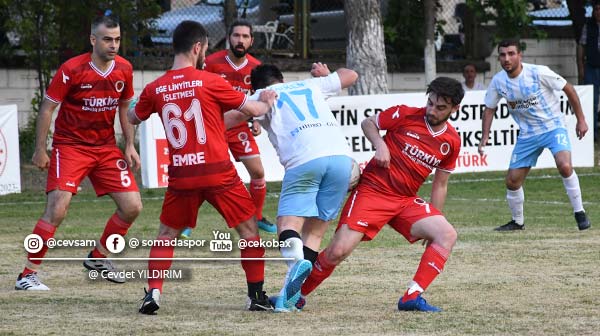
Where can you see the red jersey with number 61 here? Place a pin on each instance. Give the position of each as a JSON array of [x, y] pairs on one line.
[[89, 100], [415, 151], [191, 104]]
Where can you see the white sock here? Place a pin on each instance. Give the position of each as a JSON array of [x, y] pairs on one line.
[[571, 184], [515, 199]]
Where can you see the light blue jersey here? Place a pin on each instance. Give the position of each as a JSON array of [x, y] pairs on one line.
[[300, 125], [531, 97]]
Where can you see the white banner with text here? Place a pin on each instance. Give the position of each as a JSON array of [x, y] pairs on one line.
[[10, 174], [350, 111]]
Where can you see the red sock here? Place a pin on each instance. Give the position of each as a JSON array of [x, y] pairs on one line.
[[255, 269], [161, 265], [46, 231], [258, 191], [114, 225], [322, 269], [432, 263]]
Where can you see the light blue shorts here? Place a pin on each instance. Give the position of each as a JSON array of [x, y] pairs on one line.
[[316, 188], [527, 151]]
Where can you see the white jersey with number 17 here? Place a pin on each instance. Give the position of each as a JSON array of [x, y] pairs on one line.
[[301, 125]]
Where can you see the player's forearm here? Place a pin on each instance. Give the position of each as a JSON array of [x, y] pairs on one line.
[[42, 126], [233, 118], [126, 125], [486, 124], [371, 131], [439, 189], [573, 98]]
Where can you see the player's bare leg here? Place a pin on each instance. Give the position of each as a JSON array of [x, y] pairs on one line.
[[440, 237], [57, 204], [341, 246], [129, 206]]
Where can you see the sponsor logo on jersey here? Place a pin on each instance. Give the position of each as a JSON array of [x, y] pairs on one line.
[[65, 78], [413, 135], [86, 86], [421, 157]]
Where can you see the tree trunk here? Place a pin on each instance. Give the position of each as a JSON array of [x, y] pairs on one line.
[[430, 70], [366, 51]]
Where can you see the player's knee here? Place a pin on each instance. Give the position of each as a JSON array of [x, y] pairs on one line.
[[337, 254], [565, 169], [257, 173], [248, 228], [132, 211]]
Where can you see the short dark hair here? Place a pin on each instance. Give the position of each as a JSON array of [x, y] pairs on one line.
[[471, 64], [107, 20], [265, 75], [186, 34], [510, 42], [447, 88], [242, 23]]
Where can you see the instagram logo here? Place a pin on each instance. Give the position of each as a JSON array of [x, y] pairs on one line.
[[33, 243]]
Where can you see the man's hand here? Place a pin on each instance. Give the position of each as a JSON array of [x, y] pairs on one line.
[[41, 159], [268, 96], [581, 128], [255, 128], [132, 158], [319, 70], [382, 156], [481, 147]]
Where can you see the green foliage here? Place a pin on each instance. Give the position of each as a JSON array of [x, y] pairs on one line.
[[52, 31], [510, 18], [404, 31]]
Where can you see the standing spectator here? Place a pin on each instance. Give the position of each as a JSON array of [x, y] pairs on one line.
[[588, 58], [470, 74]]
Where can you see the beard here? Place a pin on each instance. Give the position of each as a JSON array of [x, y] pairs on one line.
[[433, 122], [200, 63], [239, 53]]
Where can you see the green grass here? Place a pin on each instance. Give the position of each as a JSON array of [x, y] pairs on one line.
[[541, 281]]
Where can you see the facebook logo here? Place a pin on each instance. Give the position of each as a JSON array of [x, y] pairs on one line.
[[115, 243]]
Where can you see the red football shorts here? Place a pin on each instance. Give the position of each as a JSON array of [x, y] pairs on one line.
[[180, 208], [105, 166], [367, 211], [241, 142]]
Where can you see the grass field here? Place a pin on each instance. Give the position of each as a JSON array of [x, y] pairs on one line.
[[541, 281]]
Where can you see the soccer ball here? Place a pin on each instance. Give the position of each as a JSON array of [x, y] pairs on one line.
[[354, 175]]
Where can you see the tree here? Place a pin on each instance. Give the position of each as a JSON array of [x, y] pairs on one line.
[[366, 50], [430, 70]]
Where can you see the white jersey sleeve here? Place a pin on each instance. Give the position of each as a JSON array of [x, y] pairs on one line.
[[492, 96], [330, 85]]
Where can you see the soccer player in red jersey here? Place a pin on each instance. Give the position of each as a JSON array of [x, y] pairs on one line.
[[235, 65], [418, 141], [89, 88], [191, 103]]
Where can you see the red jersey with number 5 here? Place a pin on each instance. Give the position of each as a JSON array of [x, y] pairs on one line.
[[415, 150], [191, 104], [89, 100]]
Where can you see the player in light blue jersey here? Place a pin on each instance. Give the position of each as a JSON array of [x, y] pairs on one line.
[[530, 91], [315, 154]]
